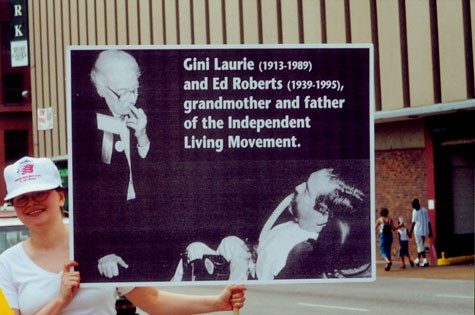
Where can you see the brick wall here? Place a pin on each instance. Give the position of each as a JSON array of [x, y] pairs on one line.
[[400, 177]]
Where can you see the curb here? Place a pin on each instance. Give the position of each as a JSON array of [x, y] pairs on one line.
[[454, 260]]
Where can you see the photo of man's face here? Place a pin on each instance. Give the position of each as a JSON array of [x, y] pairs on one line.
[[115, 76], [121, 92], [308, 217]]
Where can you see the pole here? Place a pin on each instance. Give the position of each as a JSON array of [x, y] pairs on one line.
[[236, 311]]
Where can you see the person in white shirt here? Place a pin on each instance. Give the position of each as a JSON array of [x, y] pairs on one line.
[[421, 227], [403, 244], [36, 276]]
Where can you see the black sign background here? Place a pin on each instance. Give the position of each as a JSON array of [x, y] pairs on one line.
[[187, 195]]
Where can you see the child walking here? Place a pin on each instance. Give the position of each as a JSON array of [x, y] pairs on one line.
[[403, 244]]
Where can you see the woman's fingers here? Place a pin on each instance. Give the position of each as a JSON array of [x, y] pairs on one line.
[[67, 265], [70, 279], [238, 295]]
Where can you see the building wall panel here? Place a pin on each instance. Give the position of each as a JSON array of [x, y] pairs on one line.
[[419, 51], [60, 82], [399, 135], [170, 8], [390, 55], [360, 21], [65, 25], [269, 22], [91, 22], [312, 21], [111, 34], [144, 22], [52, 66], [250, 23], [73, 14], [335, 21], [133, 22], [199, 22], [216, 22], [184, 13], [233, 25], [82, 22], [101, 20], [157, 22], [121, 23], [290, 22], [45, 101], [453, 74]]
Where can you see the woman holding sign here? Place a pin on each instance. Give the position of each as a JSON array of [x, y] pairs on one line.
[[35, 274]]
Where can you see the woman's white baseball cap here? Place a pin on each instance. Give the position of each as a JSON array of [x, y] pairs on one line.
[[30, 174]]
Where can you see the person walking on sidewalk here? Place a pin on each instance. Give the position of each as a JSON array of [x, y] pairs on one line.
[[386, 228], [403, 244], [421, 227]]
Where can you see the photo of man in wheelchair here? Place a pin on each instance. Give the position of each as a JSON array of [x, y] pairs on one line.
[[326, 235]]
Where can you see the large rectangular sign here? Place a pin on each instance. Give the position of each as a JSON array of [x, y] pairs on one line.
[[204, 164]]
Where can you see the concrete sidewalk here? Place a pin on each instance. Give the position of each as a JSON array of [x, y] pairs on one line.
[[449, 272]]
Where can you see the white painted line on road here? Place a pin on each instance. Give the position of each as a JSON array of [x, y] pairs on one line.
[[455, 296], [335, 307]]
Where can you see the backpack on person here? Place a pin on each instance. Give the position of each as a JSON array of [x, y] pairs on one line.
[[387, 228]]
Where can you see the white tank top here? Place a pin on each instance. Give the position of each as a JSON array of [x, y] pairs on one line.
[[403, 233]]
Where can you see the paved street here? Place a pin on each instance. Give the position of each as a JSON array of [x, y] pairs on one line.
[[384, 296], [430, 290], [431, 293]]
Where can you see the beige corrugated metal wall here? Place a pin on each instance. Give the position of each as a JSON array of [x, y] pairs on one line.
[[424, 48]]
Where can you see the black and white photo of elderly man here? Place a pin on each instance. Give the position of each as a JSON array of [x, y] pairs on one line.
[[112, 149], [115, 77]]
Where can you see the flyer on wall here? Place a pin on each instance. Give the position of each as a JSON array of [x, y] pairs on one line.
[[193, 165]]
